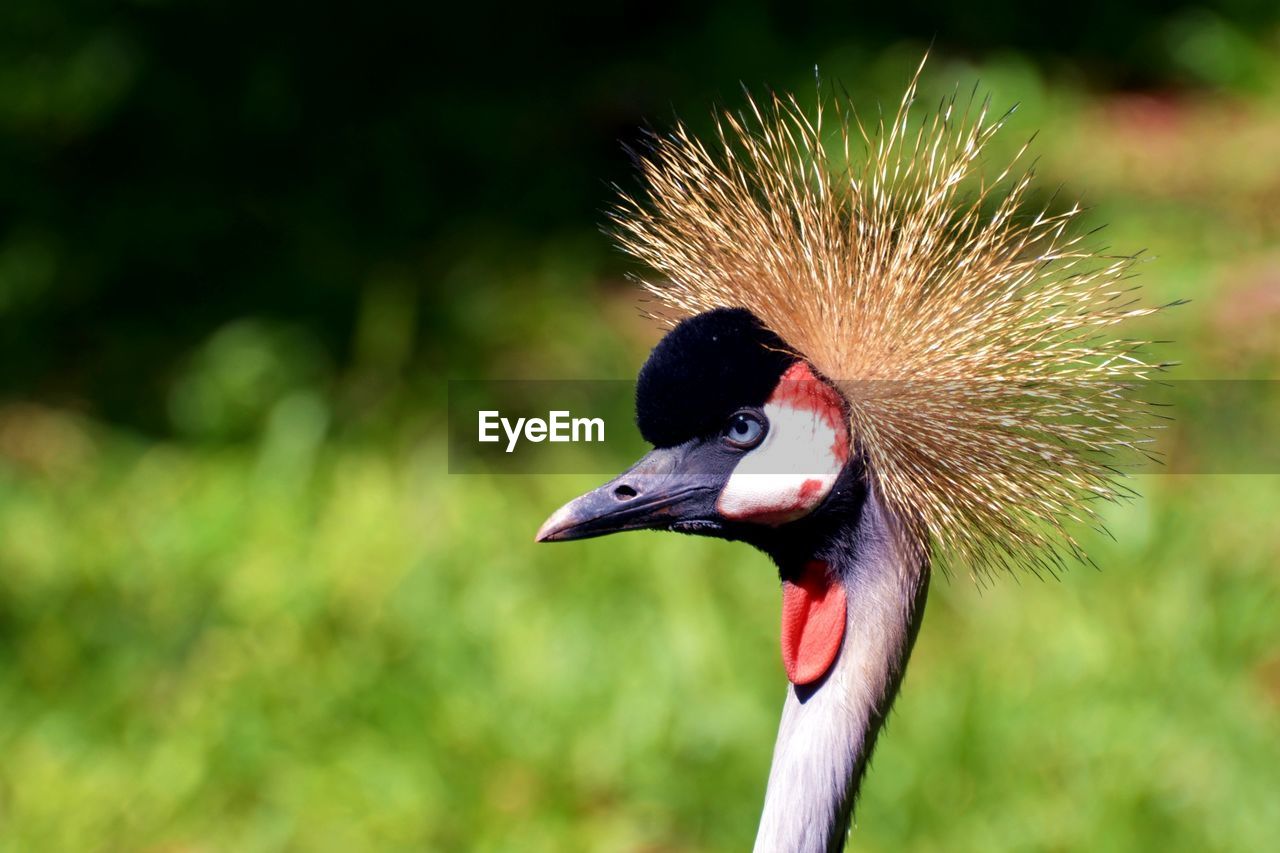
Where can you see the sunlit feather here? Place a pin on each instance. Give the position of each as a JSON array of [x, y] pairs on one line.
[[973, 340]]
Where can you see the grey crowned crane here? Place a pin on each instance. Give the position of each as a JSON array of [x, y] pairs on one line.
[[884, 362]]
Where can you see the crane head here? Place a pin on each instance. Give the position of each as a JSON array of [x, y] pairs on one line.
[[747, 439], [749, 444]]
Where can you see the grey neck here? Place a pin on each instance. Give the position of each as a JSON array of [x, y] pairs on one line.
[[828, 729]]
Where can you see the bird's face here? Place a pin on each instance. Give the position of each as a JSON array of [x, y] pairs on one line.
[[748, 441]]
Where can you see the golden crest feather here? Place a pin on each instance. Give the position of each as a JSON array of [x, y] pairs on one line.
[[970, 338]]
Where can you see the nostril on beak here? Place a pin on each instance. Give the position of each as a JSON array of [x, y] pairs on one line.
[[624, 492]]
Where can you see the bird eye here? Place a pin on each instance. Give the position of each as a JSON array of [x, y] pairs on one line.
[[744, 430]]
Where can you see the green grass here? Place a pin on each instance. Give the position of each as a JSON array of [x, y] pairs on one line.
[[203, 653]]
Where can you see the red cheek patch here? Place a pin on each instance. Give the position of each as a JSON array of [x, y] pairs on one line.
[[813, 623], [798, 463], [800, 389]]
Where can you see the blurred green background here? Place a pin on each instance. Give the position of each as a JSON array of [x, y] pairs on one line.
[[244, 607]]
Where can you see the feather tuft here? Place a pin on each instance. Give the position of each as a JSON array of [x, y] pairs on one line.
[[973, 340]]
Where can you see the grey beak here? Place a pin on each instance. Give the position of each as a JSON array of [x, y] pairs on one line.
[[661, 491]]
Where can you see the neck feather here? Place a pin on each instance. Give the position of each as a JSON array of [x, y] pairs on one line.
[[829, 728]]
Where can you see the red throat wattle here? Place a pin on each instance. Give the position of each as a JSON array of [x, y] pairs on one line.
[[813, 623]]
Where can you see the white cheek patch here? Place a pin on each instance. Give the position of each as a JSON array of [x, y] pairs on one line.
[[794, 468]]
